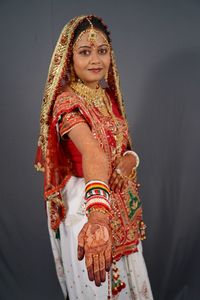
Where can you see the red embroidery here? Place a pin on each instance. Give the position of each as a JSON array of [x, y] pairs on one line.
[[69, 120], [112, 135]]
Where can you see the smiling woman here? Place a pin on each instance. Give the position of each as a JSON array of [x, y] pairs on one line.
[[93, 207], [91, 61]]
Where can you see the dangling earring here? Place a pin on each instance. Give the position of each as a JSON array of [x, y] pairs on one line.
[[104, 81], [106, 77], [72, 74]]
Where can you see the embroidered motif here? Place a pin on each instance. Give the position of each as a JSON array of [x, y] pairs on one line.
[[68, 121]]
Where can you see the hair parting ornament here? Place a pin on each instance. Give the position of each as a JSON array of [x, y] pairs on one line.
[[92, 37]]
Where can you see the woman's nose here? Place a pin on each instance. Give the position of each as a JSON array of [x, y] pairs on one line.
[[94, 57]]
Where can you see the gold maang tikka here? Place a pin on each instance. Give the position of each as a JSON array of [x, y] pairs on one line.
[[92, 33], [92, 37]]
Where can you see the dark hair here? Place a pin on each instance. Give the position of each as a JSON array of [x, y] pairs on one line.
[[97, 23]]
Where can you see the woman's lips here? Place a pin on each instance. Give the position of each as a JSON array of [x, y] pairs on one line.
[[95, 70]]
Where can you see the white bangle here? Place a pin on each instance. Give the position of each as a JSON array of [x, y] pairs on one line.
[[97, 201], [136, 157]]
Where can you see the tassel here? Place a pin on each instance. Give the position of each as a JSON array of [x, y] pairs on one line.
[[142, 228], [117, 283]]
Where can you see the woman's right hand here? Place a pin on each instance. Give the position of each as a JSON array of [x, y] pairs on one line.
[[122, 169], [95, 243]]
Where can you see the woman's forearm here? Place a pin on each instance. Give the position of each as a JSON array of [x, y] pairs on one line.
[[95, 165]]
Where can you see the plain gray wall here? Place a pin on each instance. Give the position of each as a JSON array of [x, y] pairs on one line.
[[157, 44]]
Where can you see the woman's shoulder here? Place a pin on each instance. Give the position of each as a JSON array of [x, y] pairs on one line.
[[66, 96], [66, 101]]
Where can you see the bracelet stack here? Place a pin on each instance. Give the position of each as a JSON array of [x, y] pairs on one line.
[[97, 197]]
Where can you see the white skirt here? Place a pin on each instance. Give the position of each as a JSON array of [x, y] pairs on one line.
[[72, 274]]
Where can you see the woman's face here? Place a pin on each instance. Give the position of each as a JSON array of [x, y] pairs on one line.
[[91, 61]]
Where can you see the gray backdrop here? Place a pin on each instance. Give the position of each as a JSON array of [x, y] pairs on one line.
[[157, 44]]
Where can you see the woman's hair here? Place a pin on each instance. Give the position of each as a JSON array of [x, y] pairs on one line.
[[97, 23]]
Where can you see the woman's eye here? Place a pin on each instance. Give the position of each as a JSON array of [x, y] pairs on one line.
[[85, 52], [103, 50]]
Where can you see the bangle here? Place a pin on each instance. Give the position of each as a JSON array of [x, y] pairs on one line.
[[96, 184], [136, 157], [97, 201], [98, 209], [97, 194]]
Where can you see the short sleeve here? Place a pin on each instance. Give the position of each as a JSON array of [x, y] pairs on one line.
[[69, 120]]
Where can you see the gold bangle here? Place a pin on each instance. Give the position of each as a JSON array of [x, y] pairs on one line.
[[101, 210]]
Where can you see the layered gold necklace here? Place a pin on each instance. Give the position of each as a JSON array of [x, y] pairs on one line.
[[96, 97]]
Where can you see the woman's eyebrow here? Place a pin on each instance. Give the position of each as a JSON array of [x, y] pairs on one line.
[[103, 45], [85, 46]]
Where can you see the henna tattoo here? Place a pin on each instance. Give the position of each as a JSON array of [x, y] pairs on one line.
[[88, 260], [97, 278], [81, 252], [101, 262], [96, 236], [96, 263], [96, 240]]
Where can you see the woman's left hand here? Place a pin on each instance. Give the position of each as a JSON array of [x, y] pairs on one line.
[[121, 172]]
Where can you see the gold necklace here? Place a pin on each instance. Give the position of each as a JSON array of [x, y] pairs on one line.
[[96, 97]]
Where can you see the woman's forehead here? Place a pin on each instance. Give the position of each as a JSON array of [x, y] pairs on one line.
[[100, 39]]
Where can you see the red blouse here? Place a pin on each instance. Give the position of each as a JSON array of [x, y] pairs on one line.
[[67, 122]]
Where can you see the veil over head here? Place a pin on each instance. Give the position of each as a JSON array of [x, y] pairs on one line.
[[50, 158]]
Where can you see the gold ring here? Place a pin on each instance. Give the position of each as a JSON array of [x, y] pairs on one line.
[[95, 255]]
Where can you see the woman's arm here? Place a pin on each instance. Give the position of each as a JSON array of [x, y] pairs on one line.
[[94, 240], [94, 161]]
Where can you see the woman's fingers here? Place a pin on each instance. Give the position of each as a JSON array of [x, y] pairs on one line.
[[120, 185], [102, 267], [117, 180], [115, 183], [96, 267], [97, 278], [81, 252], [112, 179], [89, 266]]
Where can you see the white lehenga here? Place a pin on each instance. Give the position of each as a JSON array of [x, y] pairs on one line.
[[72, 274]]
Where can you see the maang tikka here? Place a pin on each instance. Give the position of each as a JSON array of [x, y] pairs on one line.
[[92, 37]]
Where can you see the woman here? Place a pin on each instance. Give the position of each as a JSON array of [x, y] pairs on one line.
[[90, 172]]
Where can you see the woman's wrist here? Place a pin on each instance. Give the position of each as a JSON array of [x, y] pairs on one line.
[[99, 216], [133, 153]]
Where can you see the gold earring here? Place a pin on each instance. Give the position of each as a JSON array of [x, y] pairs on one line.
[[106, 77]]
